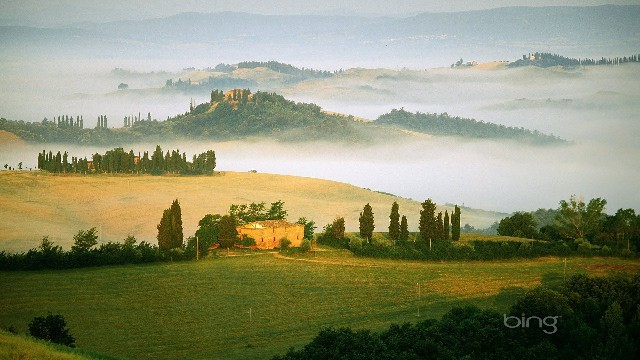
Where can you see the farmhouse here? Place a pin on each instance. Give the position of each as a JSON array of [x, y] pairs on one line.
[[268, 233]]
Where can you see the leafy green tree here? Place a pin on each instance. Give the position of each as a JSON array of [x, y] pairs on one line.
[[309, 227], [367, 223], [277, 211], [84, 240], [208, 231], [394, 222], [427, 225], [520, 224], [404, 229], [228, 232], [51, 328], [578, 220]]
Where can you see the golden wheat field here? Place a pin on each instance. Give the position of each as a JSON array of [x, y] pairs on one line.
[[37, 204]]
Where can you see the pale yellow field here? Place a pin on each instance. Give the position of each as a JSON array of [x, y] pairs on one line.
[[35, 204]]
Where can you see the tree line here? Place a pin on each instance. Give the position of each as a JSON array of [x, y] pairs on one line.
[[446, 125], [545, 59], [579, 222], [584, 318], [432, 227], [120, 161]]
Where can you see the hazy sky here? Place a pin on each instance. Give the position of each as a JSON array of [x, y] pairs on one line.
[[61, 12]]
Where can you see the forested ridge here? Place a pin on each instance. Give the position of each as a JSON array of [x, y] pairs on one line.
[[447, 125], [239, 114]]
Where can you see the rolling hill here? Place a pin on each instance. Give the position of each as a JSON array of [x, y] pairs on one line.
[[37, 204]]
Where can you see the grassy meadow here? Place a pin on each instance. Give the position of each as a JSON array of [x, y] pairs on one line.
[[35, 204], [258, 304]]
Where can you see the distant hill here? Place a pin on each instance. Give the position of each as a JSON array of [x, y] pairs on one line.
[[545, 60], [446, 125], [240, 114], [426, 40]]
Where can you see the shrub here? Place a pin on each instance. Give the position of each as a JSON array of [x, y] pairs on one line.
[[51, 328], [247, 241], [284, 243], [305, 246], [355, 244]]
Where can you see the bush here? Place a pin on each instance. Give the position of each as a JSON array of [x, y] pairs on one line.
[[284, 243], [355, 244], [305, 246], [51, 328], [247, 241]]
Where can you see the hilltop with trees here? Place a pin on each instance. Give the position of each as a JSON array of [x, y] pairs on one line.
[[241, 114], [544, 60]]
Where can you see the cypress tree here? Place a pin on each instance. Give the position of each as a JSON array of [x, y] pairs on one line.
[[394, 223], [427, 226], [439, 227], [404, 229], [170, 235], [455, 224], [177, 236], [445, 227], [366, 222]]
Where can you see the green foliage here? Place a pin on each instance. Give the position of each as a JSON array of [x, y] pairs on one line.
[[337, 228], [446, 125], [208, 231], [305, 245], [455, 223], [83, 241], [446, 225], [284, 243], [228, 233], [578, 220], [170, 234], [248, 213], [394, 221], [51, 328], [333, 234], [545, 60], [404, 229], [119, 161], [367, 222], [520, 224], [309, 227], [556, 325], [247, 241], [427, 226]]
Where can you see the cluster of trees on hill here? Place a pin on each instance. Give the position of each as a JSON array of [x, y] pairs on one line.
[[445, 125], [431, 228], [298, 73], [580, 222], [548, 59], [585, 318], [120, 161]]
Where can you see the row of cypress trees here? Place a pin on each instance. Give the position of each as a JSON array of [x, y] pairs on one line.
[[432, 227]]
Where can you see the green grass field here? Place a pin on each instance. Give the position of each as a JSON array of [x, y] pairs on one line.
[[259, 305]]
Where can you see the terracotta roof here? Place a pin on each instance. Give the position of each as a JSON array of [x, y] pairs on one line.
[[269, 224]]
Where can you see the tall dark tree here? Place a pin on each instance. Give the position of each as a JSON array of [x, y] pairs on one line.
[[84, 240], [394, 222], [170, 234], [439, 227], [177, 236], [427, 225], [455, 224], [367, 222], [309, 227], [445, 226], [404, 229]]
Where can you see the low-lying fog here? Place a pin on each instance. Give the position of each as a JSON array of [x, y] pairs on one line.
[[595, 107]]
